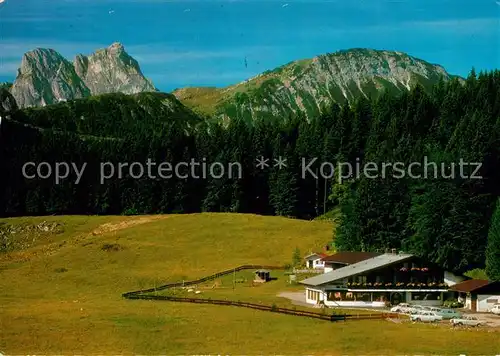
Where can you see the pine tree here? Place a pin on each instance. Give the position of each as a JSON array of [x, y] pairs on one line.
[[493, 246], [283, 186], [296, 258]]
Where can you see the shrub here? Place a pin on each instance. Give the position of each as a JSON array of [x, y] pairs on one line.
[[452, 303], [476, 273], [130, 211], [61, 270], [111, 247]]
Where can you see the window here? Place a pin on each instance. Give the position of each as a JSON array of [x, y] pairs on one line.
[[380, 297], [361, 279], [425, 296], [332, 295], [313, 295], [348, 296], [364, 297]]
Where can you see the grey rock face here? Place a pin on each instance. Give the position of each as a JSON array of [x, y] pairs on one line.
[[45, 77], [112, 70]]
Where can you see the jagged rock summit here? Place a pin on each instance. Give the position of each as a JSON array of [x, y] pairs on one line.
[[112, 70], [46, 77]]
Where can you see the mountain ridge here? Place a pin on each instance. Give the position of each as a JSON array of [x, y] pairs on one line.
[[307, 85]]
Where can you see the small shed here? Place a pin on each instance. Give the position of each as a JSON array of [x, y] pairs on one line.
[[315, 260], [262, 275], [479, 295]]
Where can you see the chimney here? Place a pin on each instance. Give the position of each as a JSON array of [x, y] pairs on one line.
[[386, 250], [394, 251]]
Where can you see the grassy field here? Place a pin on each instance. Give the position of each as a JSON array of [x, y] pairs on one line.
[[62, 295]]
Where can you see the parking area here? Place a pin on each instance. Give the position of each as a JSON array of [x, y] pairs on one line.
[[490, 319], [486, 319], [458, 317]]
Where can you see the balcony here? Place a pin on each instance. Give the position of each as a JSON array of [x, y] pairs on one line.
[[398, 285]]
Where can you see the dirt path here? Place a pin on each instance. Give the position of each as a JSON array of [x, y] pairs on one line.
[[110, 227]]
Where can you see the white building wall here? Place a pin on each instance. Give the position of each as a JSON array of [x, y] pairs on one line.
[[317, 290], [331, 303], [355, 304], [374, 304], [452, 279], [425, 303], [468, 302], [428, 303], [328, 269], [318, 263], [485, 302]]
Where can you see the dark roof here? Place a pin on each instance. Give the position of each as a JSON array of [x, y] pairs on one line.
[[263, 271], [350, 257], [471, 285]]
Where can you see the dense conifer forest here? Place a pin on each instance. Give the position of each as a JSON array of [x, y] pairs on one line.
[[445, 217]]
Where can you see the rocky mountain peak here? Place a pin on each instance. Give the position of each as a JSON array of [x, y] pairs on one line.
[[32, 60], [46, 77], [116, 46]]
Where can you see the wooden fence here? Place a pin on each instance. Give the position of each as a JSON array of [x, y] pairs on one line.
[[309, 271], [143, 295], [203, 280], [262, 307]]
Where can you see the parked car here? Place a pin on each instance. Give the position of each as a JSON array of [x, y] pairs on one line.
[[466, 320], [495, 309], [401, 308], [426, 316], [432, 309], [449, 314]]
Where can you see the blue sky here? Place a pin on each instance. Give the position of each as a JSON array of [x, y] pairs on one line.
[[204, 43]]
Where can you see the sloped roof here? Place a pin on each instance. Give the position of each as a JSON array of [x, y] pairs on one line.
[[350, 257], [315, 256], [469, 286], [376, 262]]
